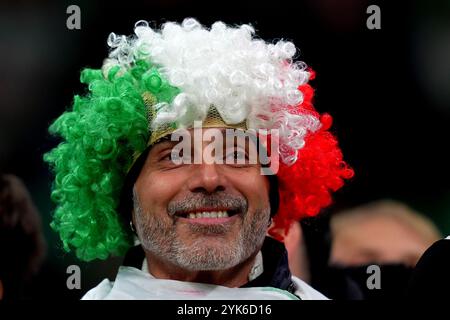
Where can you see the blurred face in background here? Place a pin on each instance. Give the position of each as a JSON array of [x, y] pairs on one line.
[[382, 234]]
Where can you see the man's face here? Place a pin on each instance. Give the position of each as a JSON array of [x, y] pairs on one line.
[[201, 216]]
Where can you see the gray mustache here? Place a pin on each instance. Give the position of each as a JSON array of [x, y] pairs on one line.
[[195, 202]]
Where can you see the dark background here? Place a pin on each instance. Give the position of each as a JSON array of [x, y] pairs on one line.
[[388, 91]]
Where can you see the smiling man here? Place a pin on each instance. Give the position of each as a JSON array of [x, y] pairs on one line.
[[207, 222]]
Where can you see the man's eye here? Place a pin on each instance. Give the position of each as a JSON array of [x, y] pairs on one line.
[[237, 155], [167, 157], [173, 155]]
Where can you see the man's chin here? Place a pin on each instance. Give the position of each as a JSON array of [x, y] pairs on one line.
[[210, 250], [210, 242], [208, 259]]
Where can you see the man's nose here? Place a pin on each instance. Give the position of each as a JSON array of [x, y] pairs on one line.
[[206, 178]]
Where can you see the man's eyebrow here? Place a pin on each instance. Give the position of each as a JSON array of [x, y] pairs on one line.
[[240, 142]]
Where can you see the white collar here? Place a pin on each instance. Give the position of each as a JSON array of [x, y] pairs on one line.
[[255, 272], [132, 283]]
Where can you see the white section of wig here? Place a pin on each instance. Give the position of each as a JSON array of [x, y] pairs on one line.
[[245, 78]]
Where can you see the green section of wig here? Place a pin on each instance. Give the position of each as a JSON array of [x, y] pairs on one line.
[[100, 135]]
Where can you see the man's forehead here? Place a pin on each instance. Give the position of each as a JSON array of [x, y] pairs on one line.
[[232, 134]]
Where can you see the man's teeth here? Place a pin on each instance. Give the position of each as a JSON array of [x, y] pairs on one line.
[[208, 214]]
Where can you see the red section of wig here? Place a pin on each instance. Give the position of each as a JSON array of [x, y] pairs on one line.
[[306, 187]]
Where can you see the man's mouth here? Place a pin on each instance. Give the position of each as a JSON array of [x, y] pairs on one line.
[[209, 214]]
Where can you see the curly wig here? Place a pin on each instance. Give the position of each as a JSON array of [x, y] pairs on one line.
[[184, 69]]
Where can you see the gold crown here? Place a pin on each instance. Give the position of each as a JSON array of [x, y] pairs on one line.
[[212, 120]]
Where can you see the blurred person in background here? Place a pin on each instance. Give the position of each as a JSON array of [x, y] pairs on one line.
[[384, 234], [380, 232], [22, 245], [333, 252]]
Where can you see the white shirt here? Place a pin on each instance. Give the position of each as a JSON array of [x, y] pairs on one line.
[[134, 284]]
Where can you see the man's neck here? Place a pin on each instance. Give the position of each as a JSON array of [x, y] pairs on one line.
[[232, 277]]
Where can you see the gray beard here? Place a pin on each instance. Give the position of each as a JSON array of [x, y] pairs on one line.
[[160, 239]]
